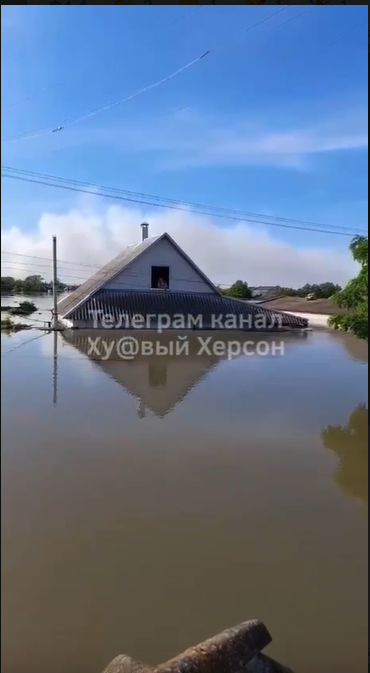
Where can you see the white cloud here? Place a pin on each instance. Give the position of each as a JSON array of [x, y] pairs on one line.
[[188, 139], [92, 233]]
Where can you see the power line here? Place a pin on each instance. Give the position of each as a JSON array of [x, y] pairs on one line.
[[9, 265], [26, 266], [188, 204], [258, 23], [27, 98], [179, 18], [343, 37], [292, 18], [93, 190], [46, 259], [24, 343], [30, 134], [80, 280], [108, 106], [48, 128], [176, 202], [274, 27], [62, 125], [167, 113], [128, 274], [161, 202]]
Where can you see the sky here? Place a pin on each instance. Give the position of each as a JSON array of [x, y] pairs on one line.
[[273, 120]]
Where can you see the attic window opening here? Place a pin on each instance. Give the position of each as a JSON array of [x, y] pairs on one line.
[[160, 277]]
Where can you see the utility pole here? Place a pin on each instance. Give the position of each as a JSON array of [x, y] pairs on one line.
[[55, 285], [55, 368]]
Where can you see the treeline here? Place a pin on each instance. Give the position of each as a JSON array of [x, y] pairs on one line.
[[31, 285], [239, 290], [322, 291]]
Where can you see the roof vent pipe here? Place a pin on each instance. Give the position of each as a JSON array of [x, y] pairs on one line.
[[144, 231]]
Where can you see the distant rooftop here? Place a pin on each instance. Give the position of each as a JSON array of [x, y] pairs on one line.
[[301, 305]]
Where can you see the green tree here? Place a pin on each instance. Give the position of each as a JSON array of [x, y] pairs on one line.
[[7, 284], [322, 291], [306, 289], [287, 292], [328, 290], [354, 297], [31, 285], [239, 290], [350, 444], [34, 284]]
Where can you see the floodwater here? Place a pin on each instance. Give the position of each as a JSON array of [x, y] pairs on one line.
[[149, 504], [37, 319]]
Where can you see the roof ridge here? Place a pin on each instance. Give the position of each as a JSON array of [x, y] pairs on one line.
[[118, 264]]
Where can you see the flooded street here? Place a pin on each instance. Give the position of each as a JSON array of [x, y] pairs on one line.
[[37, 319], [149, 504]]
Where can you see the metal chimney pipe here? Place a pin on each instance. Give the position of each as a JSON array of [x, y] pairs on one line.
[[144, 231]]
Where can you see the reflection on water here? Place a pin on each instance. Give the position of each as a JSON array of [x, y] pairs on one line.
[[351, 445], [157, 374], [148, 504], [55, 368], [357, 349], [159, 383]]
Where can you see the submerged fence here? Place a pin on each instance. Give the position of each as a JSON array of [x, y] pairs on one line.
[[236, 650]]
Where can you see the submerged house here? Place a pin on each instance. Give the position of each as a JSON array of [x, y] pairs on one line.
[[155, 279]]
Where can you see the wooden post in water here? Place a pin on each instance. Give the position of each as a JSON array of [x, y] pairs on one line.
[[55, 284], [237, 650]]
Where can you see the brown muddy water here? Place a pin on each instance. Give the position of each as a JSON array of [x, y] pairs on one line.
[[149, 504]]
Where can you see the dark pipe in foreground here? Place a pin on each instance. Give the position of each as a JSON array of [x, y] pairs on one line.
[[236, 650]]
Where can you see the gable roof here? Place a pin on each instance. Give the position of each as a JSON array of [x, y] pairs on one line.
[[116, 266]]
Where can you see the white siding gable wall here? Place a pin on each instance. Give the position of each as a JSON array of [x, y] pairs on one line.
[[138, 276]]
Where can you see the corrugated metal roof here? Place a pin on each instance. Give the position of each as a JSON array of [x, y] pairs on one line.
[[118, 303]]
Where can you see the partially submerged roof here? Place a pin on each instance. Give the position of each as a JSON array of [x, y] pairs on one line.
[[117, 303], [116, 266]]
